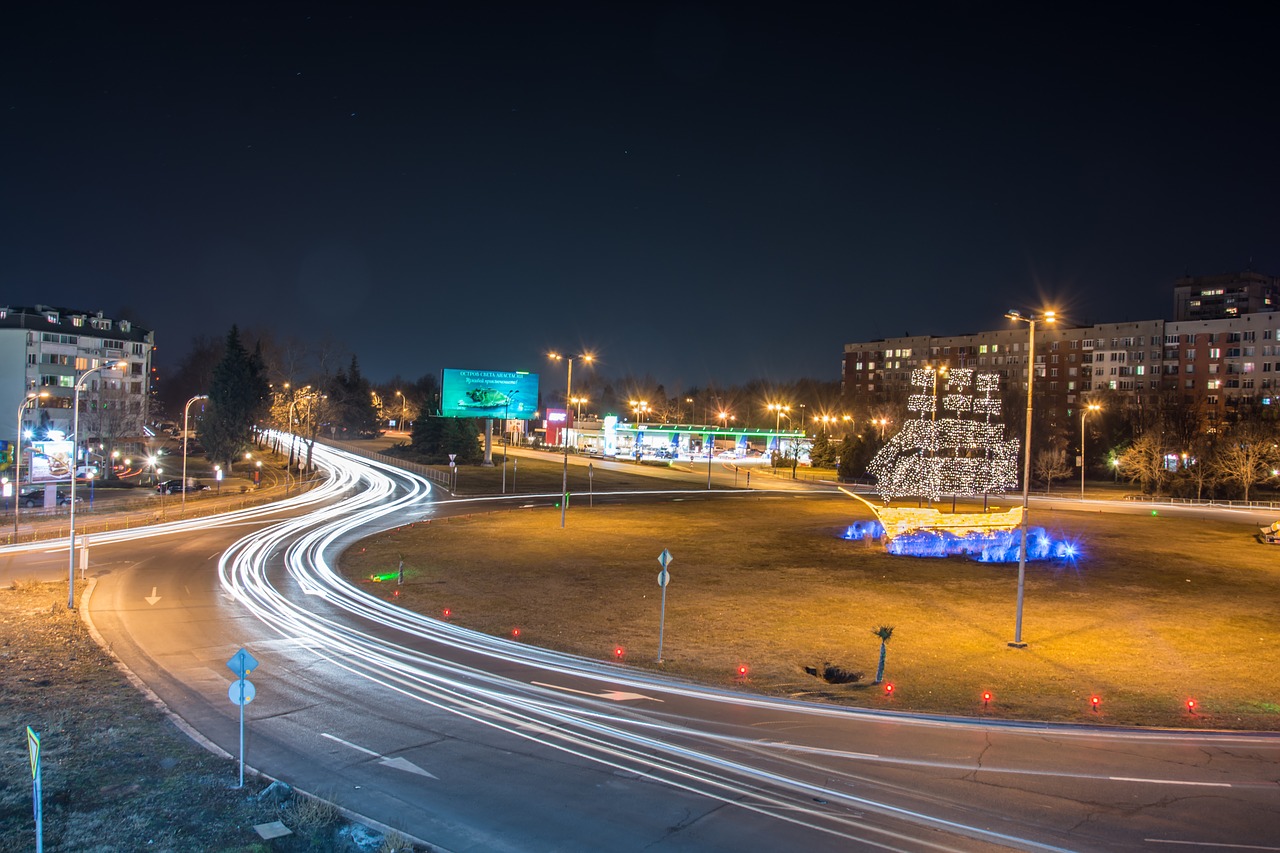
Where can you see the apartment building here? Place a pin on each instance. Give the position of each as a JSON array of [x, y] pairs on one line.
[[46, 350]]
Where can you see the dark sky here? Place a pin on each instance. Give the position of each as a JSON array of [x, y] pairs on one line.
[[697, 192]]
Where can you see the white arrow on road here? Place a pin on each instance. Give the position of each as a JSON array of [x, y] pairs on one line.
[[152, 598], [397, 763], [611, 695]]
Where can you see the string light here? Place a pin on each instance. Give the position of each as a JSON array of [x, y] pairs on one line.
[[964, 453]]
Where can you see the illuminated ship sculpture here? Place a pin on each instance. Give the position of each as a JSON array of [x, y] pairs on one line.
[[964, 453]]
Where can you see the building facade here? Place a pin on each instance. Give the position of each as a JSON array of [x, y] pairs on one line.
[[45, 350], [1218, 363], [1217, 297]]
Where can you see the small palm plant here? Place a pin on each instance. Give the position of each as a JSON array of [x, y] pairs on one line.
[[884, 632]]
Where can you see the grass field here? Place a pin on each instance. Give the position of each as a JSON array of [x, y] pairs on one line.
[[1156, 612]]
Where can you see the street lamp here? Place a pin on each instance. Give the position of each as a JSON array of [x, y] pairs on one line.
[[724, 418], [306, 395], [186, 415], [1092, 407], [17, 460], [881, 423], [1031, 321], [75, 435], [404, 408], [778, 408], [568, 396], [641, 408]]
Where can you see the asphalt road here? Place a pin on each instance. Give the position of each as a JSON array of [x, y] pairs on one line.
[[477, 743]]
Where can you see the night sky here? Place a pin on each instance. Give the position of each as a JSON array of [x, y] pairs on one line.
[[701, 193]]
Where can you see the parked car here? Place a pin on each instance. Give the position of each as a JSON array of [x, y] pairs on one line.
[[34, 497], [177, 487]]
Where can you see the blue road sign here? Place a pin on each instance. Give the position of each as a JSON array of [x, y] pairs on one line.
[[242, 663]]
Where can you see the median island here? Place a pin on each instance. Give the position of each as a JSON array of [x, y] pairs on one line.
[[765, 595]]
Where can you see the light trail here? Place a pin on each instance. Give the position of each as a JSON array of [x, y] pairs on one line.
[[775, 778]]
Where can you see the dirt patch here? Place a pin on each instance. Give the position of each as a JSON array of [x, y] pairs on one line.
[[117, 775]]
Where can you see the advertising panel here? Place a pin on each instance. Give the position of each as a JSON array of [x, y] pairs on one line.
[[488, 394], [51, 460]]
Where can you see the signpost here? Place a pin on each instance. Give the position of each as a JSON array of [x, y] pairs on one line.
[[453, 472], [33, 750], [664, 577], [591, 486], [241, 692]]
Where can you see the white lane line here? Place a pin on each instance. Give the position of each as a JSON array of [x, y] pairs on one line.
[[611, 695], [1209, 844], [1170, 782], [350, 744]]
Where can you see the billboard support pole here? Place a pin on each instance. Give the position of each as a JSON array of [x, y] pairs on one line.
[[488, 443]]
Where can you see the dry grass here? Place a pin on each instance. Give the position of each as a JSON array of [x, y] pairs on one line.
[[116, 774], [1157, 611]]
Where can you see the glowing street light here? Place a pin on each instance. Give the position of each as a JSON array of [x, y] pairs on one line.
[[1030, 320], [568, 396], [1092, 407], [75, 436], [17, 459], [779, 409], [186, 420], [724, 418]]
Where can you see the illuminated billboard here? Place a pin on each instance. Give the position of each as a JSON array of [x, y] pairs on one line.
[[51, 460], [488, 394]]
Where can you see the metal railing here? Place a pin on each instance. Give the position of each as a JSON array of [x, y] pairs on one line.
[[441, 478], [1202, 502]]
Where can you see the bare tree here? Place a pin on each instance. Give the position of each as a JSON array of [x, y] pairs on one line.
[[1245, 454], [112, 417], [1143, 462], [1051, 464]]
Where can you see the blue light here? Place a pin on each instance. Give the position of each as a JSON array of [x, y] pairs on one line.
[[997, 546]]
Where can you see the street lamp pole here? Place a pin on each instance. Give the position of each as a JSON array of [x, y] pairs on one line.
[[1092, 407], [779, 408], [568, 397], [1048, 317], [17, 460], [75, 439], [186, 415]]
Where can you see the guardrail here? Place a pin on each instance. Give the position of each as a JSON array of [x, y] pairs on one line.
[[1195, 502], [439, 477]]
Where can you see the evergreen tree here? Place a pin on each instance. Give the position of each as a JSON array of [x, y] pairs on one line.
[[351, 403], [823, 452], [237, 397], [435, 438]]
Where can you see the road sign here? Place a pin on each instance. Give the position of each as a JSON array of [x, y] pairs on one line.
[[452, 456], [665, 558], [33, 749], [242, 663], [234, 691], [664, 578]]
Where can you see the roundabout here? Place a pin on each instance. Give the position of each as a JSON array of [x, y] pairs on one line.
[[1155, 612]]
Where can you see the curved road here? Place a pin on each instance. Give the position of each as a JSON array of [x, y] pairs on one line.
[[477, 743]]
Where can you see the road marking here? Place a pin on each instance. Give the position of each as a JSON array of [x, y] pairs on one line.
[[611, 695], [152, 598], [1172, 782], [397, 763], [1209, 844], [350, 744]]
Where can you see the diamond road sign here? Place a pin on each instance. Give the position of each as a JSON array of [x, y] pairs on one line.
[[665, 558], [242, 663]]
